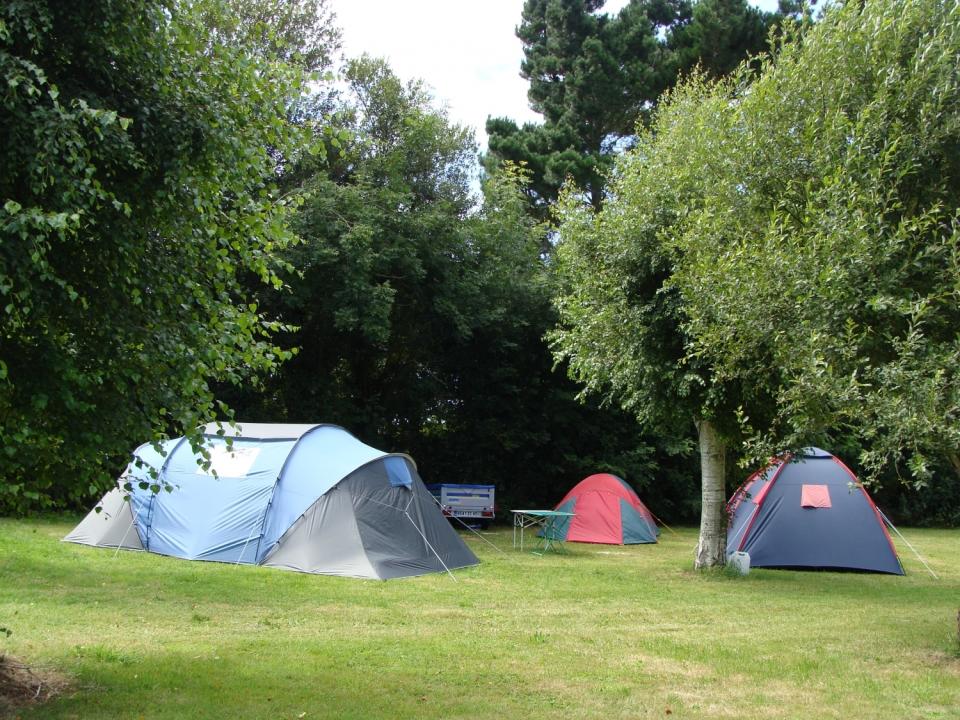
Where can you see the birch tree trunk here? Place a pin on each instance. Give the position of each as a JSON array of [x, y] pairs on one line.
[[955, 461], [712, 548]]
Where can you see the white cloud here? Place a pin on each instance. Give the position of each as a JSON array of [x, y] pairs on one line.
[[465, 50]]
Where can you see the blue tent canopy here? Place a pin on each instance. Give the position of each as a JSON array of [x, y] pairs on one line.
[[307, 497], [809, 511]]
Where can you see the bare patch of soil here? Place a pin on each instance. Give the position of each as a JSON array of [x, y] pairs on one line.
[[22, 685]]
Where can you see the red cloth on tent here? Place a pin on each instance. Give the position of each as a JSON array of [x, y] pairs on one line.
[[815, 496], [597, 519]]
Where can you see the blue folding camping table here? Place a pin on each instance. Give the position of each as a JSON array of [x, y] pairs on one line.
[[550, 537]]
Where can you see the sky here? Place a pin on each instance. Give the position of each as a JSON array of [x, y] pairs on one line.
[[465, 50]]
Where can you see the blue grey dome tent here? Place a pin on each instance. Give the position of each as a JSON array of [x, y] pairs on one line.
[[311, 498], [809, 511]]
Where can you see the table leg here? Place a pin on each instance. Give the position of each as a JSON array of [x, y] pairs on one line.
[[551, 538]]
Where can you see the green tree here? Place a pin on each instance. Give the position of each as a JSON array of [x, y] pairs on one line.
[[720, 35], [375, 292], [296, 32], [592, 75], [422, 316], [828, 261], [778, 258], [136, 156], [511, 418], [622, 327]]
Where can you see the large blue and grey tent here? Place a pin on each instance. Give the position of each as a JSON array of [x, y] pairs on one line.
[[808, 510], [311, 498]]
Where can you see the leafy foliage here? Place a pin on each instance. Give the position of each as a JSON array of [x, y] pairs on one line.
[[135, 166], [296, 32], [783, 251], [593, 75], [421, 316], [623, 324], [375, 289], [823, 259]]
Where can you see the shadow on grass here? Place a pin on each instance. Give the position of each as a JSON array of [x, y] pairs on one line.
[[314, 676]]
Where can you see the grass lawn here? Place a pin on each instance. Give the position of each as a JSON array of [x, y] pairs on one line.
[[598, 632]]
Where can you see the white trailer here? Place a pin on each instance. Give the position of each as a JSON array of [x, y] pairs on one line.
[[473, 504]]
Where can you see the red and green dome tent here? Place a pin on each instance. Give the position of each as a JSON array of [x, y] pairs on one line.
[[607, 511]]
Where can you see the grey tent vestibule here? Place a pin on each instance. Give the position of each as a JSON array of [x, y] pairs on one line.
[[310, 498]]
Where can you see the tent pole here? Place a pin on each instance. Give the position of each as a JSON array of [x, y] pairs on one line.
[[123, 540], [417, 528], [244, 548], [128, 500], [430, 546], [900, 535]]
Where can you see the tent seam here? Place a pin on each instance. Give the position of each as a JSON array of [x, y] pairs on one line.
[[276, 484], [153, 496], [776, 476]]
